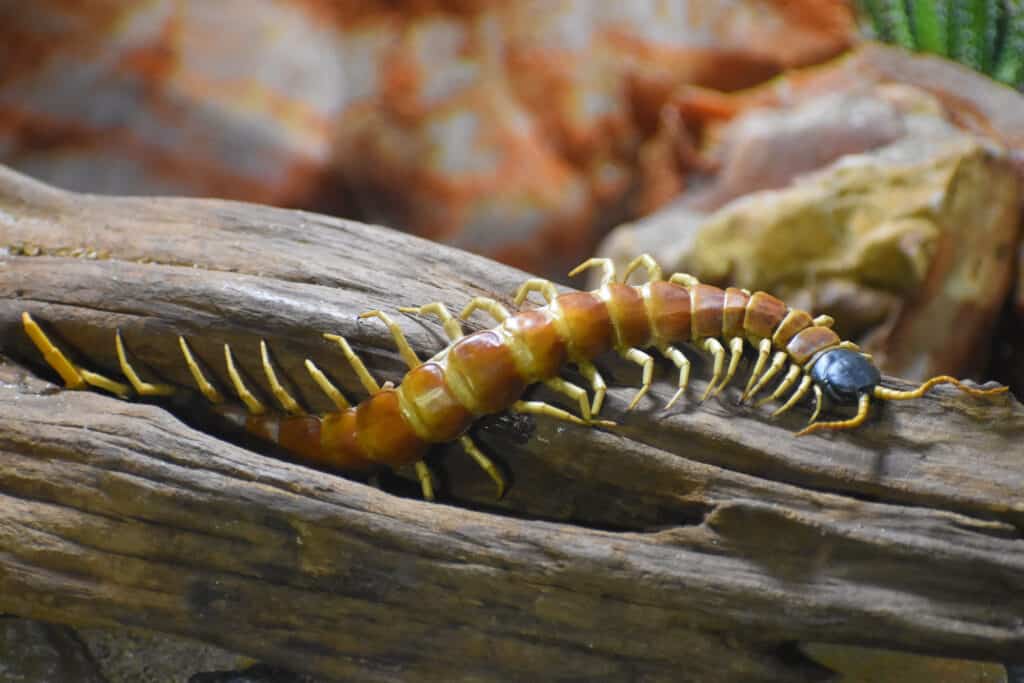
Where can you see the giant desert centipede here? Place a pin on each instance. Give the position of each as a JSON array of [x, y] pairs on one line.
[[488, 371]]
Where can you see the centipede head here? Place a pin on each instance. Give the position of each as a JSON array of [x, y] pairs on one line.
[[849, 378], [845, 375]]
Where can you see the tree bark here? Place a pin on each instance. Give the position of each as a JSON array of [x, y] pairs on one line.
[[698, 544]]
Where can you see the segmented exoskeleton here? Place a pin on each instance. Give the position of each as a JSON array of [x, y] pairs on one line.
[[488, 371]]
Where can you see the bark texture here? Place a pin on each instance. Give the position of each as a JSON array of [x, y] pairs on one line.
[[696, 544]]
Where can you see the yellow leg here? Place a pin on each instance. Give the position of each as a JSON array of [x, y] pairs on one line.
[[855, 421], [654, 273], [404, 350], [485, 463], [801, 391], [287, 401], [605, 264], [647, 363], [736, 352], [683, 363], [684, 279], [817, 404], [426, 478], [205, 387], [596, 383], [365, 378], [824, 321], [74, 377], [451, 326], [325, 384], [764, 348], [252, 404], [573, 391], [778, 361], [712, 346], [548, 410], [545, 287], [788, 381], [141, 388], [494, 308]]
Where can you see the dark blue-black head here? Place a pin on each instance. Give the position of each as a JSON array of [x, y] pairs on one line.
[[845, 375]]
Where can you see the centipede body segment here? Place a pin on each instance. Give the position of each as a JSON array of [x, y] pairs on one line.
[[489, 371]]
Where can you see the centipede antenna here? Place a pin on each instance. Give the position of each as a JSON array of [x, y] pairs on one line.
[[606, 265], [885, 394], [857, 420]]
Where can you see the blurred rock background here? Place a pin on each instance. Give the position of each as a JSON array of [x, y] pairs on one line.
[[884, 188]]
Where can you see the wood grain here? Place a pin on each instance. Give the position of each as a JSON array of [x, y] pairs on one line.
[[696, 544]]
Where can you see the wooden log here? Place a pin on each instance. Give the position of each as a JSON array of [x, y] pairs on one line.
[[694, 544]]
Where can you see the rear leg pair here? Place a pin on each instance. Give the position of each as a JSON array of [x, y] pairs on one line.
[[76, 377]]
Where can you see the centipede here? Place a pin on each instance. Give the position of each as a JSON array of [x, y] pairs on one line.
[[489, 371]]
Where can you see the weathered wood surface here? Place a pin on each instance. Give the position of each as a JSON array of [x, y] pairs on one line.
[[697, 544]]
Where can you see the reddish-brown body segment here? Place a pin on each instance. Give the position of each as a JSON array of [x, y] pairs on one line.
[[708, 311], [587, 323], [488, 371]]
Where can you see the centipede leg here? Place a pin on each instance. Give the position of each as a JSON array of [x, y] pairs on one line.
[[596, 383], [683, 363], [365, 378], [486, 464], [787, 381], [654, 273], [548, 410], [817, 404], [764, 348], [141, 388], [606, 265], [684, 279], [404, 349], [546, 288], [252, 404], [74, 376], [801, 391], [647, 363], [736, 352], [490, 306], [326, 386], [451, 325], [287, 401], [204, 385], [714, 347], [573, 391], [824, 321], [778, 361], [426, 478]]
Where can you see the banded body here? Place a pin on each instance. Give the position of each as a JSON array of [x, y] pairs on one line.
[[488, 371]]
